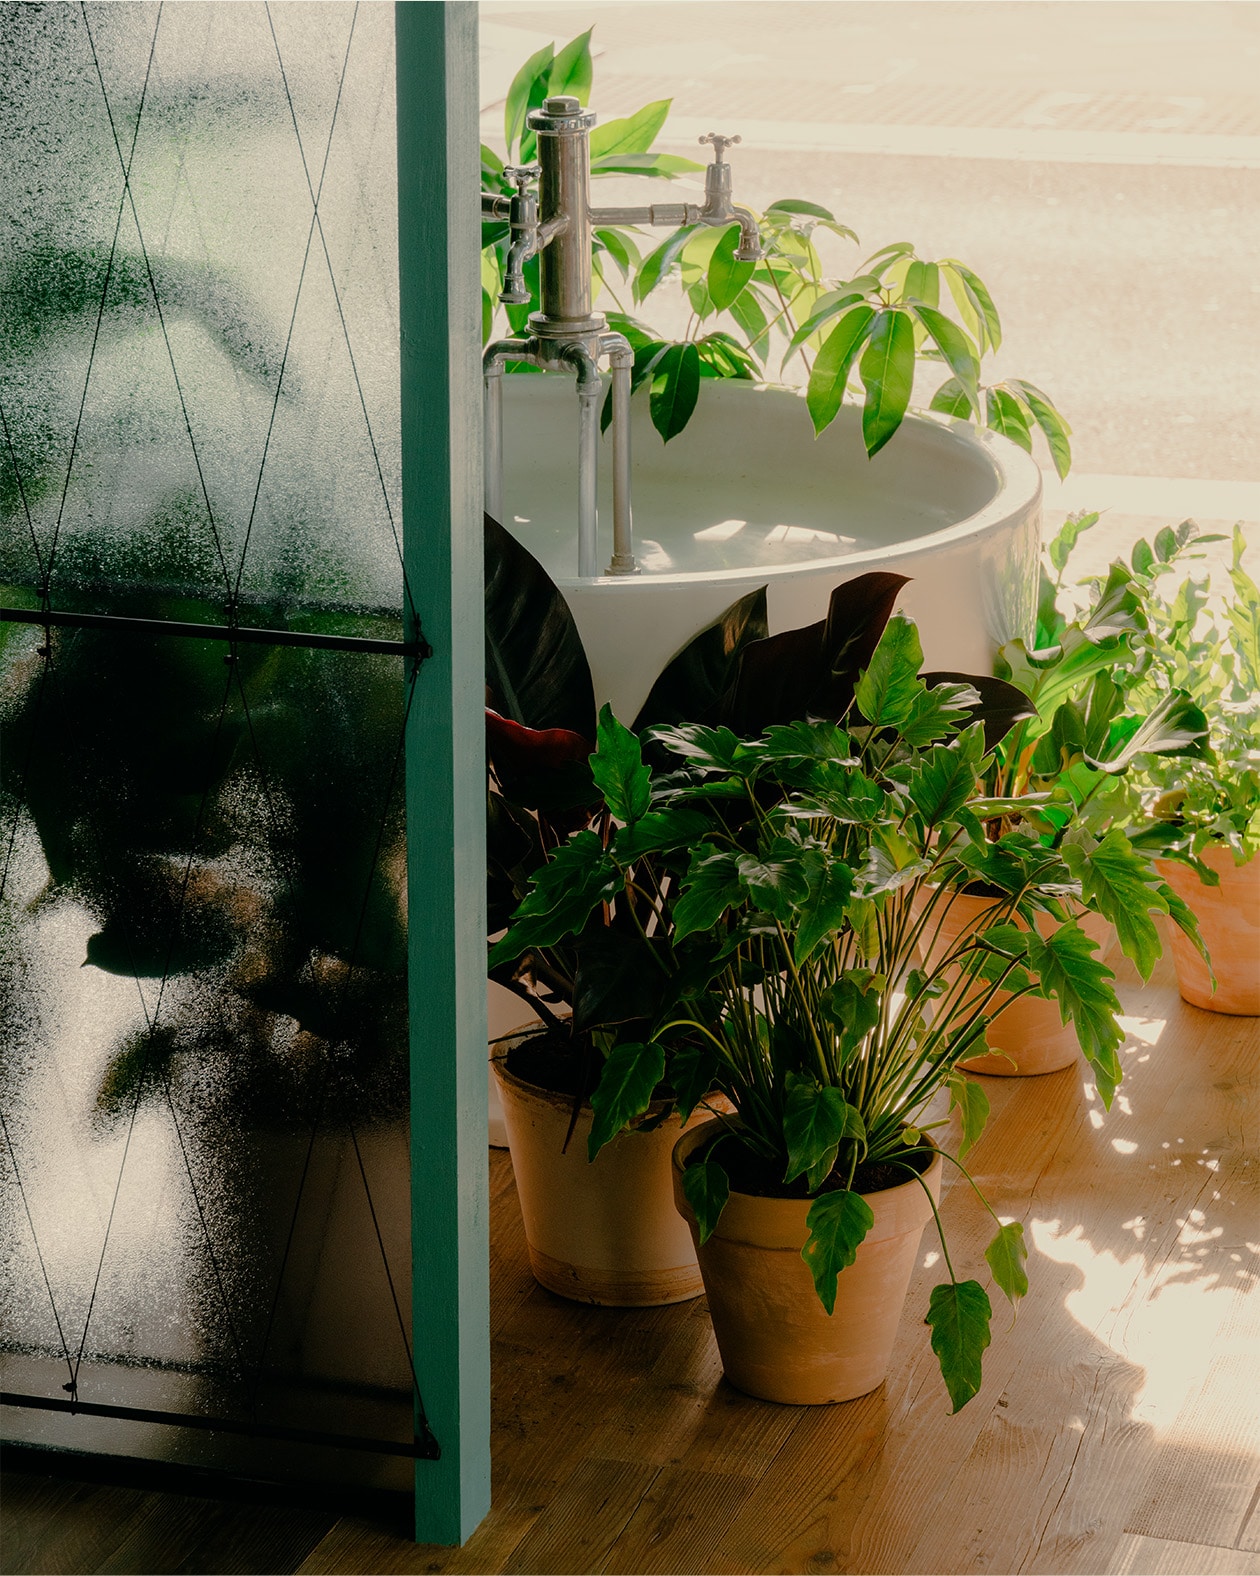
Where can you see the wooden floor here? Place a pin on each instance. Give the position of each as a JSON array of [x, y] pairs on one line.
[[1118, 1429]]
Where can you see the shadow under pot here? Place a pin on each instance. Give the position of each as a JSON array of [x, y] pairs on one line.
[[602, 1231], [1029, 1036], [776, 1340], [1229, 922]]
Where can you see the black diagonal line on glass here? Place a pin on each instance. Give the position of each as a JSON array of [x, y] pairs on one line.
[[43, 1268], [306, 255], [345, 331], [157, 301], [387, 800], [26, 508], [148, 1049], [46, 577], [25, 776]]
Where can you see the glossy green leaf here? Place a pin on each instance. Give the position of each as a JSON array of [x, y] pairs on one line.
[[727, 277], [1067, 536], [660, 832], [967, 287], [572, 70], [833, 363], [1120, 884], [618, 769], [662, 166], [887, 370], [620, 248], [579, 875], [1007, 1255], [946, 777], [837, 1224], [710, 887], [1054, 428], [795, 206], [829, 305], [656, 265], [959, 1317], [706, 1188], [853, 1005], [675, 390], [528, 89], [816, 1120], [748, 312], [775, 884], [1176, 727], [951, 399], [631, 133], [626, 1085], [821, 913], [922, 283], [1002, 414], [1066, 964], [957, 349], [887, 689], [968, 1098]]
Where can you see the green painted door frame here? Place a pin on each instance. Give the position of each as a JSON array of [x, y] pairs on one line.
[[439, 175]]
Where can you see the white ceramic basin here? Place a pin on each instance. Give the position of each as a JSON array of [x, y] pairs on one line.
[[746, 496]]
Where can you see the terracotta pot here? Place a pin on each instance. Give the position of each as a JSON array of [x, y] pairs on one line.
[[1030, 1033], [603, 1231], [1229, 922], [776, 1340]]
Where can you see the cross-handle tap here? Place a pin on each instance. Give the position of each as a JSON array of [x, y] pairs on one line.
[[523, 227], [717, 199]]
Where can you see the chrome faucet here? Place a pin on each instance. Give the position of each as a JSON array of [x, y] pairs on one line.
[[556, 225]]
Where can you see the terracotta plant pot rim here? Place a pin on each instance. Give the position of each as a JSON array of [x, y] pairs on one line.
[[778, 1222], [554, 1097]]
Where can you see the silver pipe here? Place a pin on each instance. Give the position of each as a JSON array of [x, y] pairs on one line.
[[495, 354], [589, 390], [621, 360], [661, 213]]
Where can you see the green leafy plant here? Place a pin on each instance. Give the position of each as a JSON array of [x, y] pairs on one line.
[[821, 859], [896, 315]]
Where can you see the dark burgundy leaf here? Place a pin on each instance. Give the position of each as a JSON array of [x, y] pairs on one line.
[[1001, 704], [689, 687]]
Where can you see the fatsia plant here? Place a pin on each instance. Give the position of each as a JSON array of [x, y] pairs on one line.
[[895, 316], [820, 861]]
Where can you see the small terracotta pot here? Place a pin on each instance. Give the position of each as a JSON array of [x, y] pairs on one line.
[[776, 1340], [1229, 922], [1030, 1032], [604, 1231]]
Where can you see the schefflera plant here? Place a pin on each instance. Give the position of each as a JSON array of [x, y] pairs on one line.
[[817, 870]]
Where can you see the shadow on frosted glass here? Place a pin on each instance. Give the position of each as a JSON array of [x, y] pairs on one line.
[[203, 939], [199, 375]]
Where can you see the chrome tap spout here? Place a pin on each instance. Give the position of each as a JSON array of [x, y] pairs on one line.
[[555, 225]]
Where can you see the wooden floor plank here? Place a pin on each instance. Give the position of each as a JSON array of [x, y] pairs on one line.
[[56, 1524], [585, 1520]]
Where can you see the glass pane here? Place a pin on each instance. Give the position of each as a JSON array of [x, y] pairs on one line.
[[204, 1185]]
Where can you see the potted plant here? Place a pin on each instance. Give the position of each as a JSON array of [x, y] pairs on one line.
[[1203, 815], [795, 924], [1071, 765], [607, 1231]]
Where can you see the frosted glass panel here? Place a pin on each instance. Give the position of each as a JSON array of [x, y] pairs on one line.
[[200, 379], [204, 1178]]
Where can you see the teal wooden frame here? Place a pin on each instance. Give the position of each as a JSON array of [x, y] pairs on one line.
[[439, 179]]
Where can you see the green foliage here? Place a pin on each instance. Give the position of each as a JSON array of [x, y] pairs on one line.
[[837, 1223], [886, 318], [959, 1316], [630, 1075]]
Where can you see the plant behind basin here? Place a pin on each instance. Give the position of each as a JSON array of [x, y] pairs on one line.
[[882, 325]]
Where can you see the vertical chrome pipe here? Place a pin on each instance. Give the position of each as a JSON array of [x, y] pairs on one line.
[[621, 360], [493, 375], [590, 388]]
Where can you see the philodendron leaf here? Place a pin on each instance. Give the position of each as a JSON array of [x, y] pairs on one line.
[[853, 1004], [972, 1104], [1175, 727], [710, 886], [618, 769], [706, 1188], [624, 1091], [821, 914], [689, 686], [816, 1120], [658, 832], [886, 691], [1065, 964], [959, 1316], [837, 1223], [887, 369], [578, 875], [1006, 1256], [947, 776], [1119, 883], [693, 1069]]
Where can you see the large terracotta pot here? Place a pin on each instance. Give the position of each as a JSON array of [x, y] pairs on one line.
[[1229, 922], [776, 1340], [604, 1231], [1030, 1032]]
